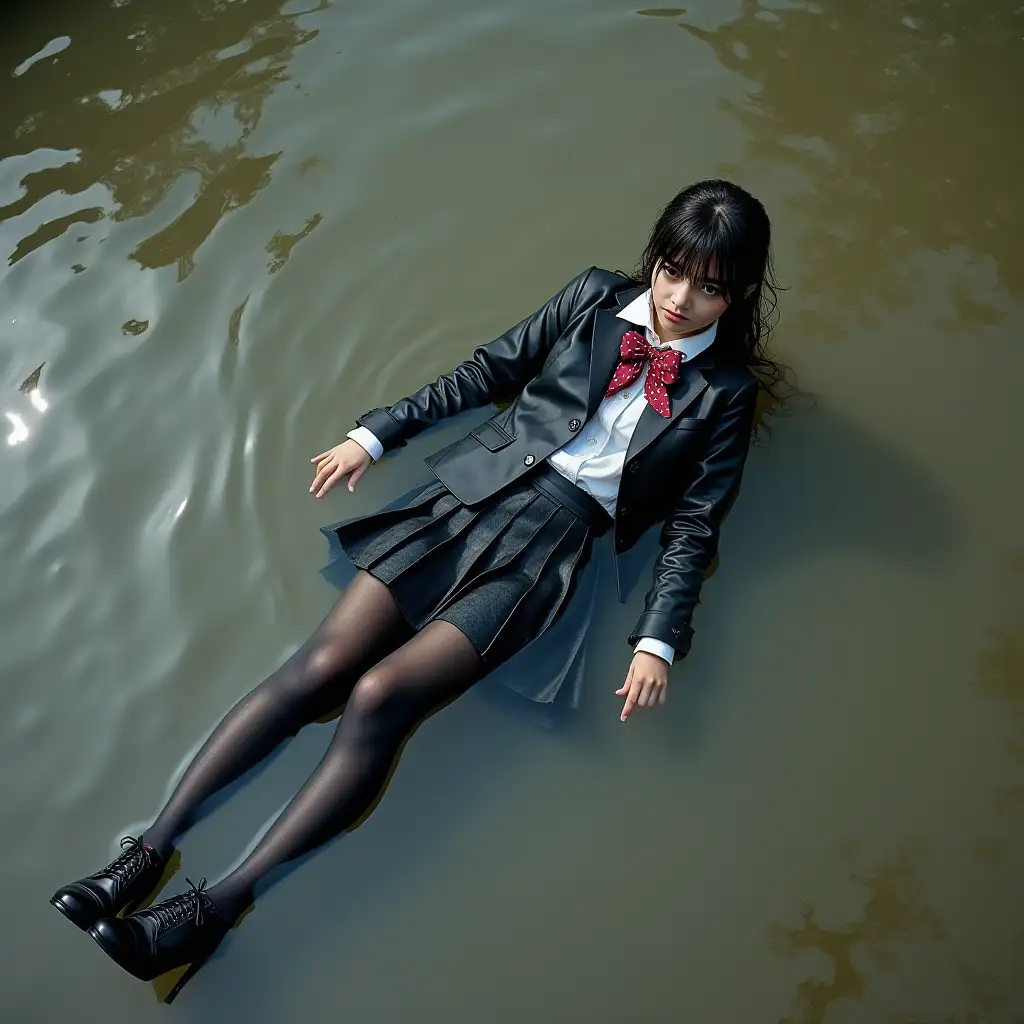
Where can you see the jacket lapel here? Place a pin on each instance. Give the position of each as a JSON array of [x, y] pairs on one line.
[[608, 332], [604, 355], [650, 426]]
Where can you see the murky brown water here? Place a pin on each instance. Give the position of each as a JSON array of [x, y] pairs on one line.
[[230, 226]]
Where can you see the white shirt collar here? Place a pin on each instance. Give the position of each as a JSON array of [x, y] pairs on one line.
[[639, 312]]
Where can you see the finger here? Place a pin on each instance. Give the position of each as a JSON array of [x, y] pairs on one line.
[[647, 693], [663, 693], [355, 475], [624, 688], [627, 708], [331, 453], [324, 470], [330, 482]]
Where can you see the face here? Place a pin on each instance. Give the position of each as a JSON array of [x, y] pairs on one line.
[[683, 307]]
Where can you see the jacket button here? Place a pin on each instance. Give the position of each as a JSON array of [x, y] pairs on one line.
[[623, 511], [634, 466], [574, 425], [529, 460], [675, 632]]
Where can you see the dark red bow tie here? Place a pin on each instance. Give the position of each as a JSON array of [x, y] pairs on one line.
[[636, 351]]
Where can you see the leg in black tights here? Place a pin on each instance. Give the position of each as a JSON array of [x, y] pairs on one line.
[[363, 627], [431, 669]]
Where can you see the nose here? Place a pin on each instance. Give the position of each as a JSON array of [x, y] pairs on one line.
[[681, 296]]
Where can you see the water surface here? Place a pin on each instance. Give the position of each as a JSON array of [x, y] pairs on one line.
[[228, 228]]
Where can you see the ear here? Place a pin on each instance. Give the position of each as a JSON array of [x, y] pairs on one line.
[[749, 290]]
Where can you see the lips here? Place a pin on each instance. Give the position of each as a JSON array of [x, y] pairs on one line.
[[675, 318]]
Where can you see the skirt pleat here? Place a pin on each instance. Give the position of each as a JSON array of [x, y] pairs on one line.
[[531, 592], [497, 556], [502, 571]]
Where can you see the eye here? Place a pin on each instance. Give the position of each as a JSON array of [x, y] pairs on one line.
[[710, 289], [670, 271]]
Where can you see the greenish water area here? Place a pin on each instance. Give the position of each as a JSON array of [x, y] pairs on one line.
[[227, 228]]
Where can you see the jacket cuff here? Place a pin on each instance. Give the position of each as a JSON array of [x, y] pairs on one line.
[[660, 649], [384, 427], [665, 628]]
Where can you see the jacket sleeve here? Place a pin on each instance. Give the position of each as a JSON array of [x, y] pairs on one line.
[[499, 368], [689, 537]]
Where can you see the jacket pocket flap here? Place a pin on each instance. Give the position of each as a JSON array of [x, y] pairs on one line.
[[692, 423], [491, 436]]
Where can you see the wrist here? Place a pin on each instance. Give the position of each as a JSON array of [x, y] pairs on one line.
[[367, 441], [655, 647]]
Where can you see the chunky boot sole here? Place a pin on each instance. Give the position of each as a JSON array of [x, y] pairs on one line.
[[111, 937], [106, 935], [82, 909], [145, 972]]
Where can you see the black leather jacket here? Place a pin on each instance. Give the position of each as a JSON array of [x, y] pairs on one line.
[[682, 470]]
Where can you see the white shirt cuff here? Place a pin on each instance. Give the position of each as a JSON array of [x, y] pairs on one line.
[[649, 645], [368, 440]]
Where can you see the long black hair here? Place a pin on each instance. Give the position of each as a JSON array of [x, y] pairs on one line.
[[718, 222]]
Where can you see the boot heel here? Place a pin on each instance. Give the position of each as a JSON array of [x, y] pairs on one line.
[[190, 972]]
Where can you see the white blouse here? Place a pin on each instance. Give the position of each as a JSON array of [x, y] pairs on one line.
[[593, 460]]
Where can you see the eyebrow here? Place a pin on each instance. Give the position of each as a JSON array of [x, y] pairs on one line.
[[704, 280]]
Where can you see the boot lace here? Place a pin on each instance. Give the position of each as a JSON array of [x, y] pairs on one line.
[[179, 909], [134, 860]]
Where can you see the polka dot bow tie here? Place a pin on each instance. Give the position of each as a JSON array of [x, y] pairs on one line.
[[636, 351]]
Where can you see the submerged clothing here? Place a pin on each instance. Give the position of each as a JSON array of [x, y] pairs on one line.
[[503, 571], [682, 470]]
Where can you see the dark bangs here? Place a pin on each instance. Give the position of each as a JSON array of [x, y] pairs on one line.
[[716, 225], [704, 227]]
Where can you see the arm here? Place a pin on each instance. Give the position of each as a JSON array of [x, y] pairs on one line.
[[500, 367], [689, 537]]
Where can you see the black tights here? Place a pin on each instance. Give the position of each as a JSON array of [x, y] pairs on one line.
[[363, 653]]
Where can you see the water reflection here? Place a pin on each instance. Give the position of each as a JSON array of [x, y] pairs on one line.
[[1001, 678], [30, 388], [280, 245], [178, 96], [19, 431], [54, 46], [159, 554], [895, 907], [889, 114]]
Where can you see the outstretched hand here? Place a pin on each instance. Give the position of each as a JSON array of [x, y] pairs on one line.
[[646, 683], [346, 459]]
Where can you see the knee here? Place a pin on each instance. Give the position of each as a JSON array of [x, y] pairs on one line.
[[312, 673], [375, 695], [322, 664]]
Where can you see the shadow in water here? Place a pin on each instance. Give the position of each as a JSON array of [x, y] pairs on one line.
[[822, 486]]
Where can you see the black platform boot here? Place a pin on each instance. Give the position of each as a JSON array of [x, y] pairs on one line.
[[122, 885], [182, 930]]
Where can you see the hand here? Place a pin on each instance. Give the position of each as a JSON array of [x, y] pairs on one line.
[[346, 459], [646, 683]]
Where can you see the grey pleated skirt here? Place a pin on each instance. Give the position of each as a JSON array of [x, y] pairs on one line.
[[503, 571]]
